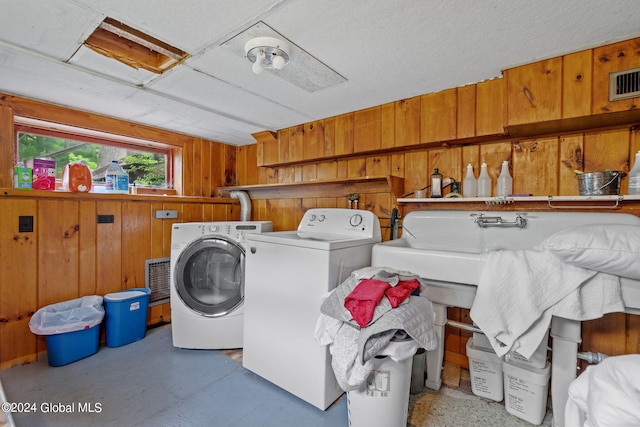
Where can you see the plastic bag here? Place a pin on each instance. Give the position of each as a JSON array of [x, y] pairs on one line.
[[68, 316]]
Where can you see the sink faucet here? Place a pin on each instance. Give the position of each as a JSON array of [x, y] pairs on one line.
[[486, 221]]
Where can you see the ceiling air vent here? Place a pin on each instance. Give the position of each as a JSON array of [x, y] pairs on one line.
[[624, 84]]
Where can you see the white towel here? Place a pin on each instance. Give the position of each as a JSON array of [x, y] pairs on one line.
[[519, 292]]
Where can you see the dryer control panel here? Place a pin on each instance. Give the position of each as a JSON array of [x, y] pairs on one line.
[[345, 222], [235, 230]]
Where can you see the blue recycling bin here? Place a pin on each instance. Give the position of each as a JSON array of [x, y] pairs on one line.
[[126, 316]]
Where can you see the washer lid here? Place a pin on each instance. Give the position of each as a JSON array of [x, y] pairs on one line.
[[321, 241]]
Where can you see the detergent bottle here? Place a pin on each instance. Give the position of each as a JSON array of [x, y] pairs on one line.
[[116, 179], [76, 177]]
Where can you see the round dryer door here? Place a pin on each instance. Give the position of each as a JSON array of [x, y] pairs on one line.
[[209, 276]]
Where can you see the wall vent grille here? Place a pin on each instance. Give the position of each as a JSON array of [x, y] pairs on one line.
[[156, 278], [624, 84]]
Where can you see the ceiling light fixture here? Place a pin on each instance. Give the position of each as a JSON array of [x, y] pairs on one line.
[[267, 52]]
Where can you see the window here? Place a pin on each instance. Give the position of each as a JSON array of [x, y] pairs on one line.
[[146, 162]]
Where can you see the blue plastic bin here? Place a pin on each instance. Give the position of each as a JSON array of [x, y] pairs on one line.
[[71, 328], [126, 316], [69, 347]]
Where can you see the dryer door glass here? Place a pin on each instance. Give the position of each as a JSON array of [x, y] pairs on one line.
[[210, 276]]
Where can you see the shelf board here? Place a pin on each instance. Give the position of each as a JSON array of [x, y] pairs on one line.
[[552, 202], [320, 188]]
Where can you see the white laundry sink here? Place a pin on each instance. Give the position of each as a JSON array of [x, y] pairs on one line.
[[449, 247]]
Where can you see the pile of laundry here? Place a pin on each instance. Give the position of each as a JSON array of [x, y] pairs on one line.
[[363, 314]]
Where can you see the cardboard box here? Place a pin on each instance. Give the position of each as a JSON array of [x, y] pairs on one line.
[[22, 178], [44, 173]]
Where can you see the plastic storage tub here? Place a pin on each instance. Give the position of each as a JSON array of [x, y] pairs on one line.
[[126, 316], [69, 347], [384, 401], [72, 328], [526, 391], [485, 369]]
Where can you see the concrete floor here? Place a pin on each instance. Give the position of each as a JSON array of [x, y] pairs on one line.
[[151, 383]]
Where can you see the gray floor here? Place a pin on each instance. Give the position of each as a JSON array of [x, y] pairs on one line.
[[151, 383]]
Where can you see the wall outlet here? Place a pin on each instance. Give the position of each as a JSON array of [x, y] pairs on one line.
[[105, 219], [25, 224]]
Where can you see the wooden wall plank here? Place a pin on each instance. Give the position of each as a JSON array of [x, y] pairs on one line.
[[534, 166], [58, 251], [18, 283], [109, 250], [571, 159], [577, 80], [283, 145], [328, 137], [313, 140], [438, 116], [387, 125], [296, 143], [377, 165], [490, 107], [367, 129], [136, 242], [447, 160], [606, 150], [534, 92], [344, 134], [415, 169], [407, 118], [466, 119], [88, 245]]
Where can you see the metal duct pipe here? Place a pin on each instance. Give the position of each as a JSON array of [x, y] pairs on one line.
[[245, 204]]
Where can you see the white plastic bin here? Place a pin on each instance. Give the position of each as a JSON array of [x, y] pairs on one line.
[[538, 359], [485, 369], [526, 391], [385, 399]]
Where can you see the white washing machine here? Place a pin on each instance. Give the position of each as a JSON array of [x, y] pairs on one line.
[[288, 275], [207, 282]]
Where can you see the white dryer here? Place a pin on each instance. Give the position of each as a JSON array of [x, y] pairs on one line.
[[207, 282], [289, 273]]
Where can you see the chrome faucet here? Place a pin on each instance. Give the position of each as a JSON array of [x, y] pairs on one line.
[[486, 221]]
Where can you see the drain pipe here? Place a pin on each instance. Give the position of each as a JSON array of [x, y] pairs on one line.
[[245, 204]]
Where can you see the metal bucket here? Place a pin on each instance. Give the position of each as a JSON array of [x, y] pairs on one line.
[[599, 183]]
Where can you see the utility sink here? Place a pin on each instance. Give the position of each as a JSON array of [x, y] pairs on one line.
[[449, 248]]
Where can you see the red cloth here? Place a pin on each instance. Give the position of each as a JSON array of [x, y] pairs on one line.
[[364, 298], [401, 291]]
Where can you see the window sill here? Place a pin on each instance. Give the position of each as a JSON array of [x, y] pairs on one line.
[[146, 197]]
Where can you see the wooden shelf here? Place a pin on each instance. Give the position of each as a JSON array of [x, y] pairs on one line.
[[324, 188], [65, 195]]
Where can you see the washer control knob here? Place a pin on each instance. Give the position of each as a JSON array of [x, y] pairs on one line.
[[213, 228], [355, 220], [313, 217], [321, 218]]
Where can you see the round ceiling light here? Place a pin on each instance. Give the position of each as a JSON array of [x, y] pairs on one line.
[[267, 52]]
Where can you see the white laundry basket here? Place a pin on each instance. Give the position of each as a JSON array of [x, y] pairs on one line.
[[385, 399]]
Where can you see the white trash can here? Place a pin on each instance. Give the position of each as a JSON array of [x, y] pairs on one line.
[[384, 401]]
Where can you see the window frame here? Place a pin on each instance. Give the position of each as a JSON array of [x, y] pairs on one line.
[[75, 133]]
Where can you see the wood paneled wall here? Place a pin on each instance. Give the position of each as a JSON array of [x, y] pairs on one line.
[[69, 255], [558, 108]]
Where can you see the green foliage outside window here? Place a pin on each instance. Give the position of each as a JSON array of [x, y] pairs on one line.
[[144, 168]]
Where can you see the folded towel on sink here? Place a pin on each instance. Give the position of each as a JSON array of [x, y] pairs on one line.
[[519, 291]]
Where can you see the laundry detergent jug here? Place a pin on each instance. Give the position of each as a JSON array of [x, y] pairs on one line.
[[76, 177]]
